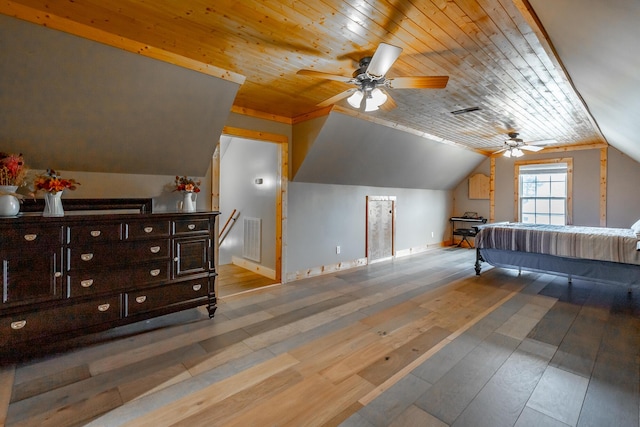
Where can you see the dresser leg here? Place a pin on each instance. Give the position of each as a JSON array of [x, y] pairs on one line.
[[212, 307]]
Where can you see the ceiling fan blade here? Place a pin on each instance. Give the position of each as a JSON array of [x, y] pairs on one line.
[[542, 142], [336, 98], [533, 148], [322, 75], [390, 104], [419, 82], [499, 151], [383, 59]]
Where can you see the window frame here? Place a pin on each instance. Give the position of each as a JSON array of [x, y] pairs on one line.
[[516, 181]]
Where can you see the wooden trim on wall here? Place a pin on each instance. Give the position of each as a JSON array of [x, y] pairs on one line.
[[527, 12], [560, 148], [603, 187], [492, 191], [49, 20], [260, 115], [281, 185], [312, 115], [215, 206]]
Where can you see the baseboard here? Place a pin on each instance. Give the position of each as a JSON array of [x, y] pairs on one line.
[[419, 249], [252, 266], [345, 265], [325, 269]]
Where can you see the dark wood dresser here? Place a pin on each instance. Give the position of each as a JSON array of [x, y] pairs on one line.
[[87, 272]]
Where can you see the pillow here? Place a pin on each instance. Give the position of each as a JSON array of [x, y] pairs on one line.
[[636, 228]]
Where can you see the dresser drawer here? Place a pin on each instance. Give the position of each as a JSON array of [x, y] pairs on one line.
[[94, 282], [143, 229], [30, 238], [188, 226], [95, 233], [49, 321], [143, 301], [97, 256]]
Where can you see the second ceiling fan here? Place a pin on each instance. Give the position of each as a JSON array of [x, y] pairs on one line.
[[371, 82], [513, 146]]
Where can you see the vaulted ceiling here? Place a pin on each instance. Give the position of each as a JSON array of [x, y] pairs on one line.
[[496, 53]]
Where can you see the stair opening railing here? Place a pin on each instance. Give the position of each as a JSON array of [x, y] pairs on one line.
[[230, 223]]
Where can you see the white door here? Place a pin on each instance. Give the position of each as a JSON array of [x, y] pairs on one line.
[[380, 227]]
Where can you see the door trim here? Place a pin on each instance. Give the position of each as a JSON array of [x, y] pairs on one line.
[[281, 185]]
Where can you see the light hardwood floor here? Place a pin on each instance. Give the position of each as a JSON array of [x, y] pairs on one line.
[[418, 341], [233, 280]]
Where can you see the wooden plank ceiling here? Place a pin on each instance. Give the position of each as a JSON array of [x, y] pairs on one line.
[[494, 52]]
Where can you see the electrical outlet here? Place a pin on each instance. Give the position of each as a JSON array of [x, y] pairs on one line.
[[337, 249], [432, 234]]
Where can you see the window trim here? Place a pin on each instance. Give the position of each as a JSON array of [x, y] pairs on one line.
[[516, 184]]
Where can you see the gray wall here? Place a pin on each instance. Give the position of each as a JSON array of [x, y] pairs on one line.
[[100, 185], [323, 216], [461, 201], [352, 151], [241, 162], [623, 199], [74, 104], [623, 194]]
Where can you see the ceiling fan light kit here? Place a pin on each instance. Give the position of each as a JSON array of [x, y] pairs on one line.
[[513, 152], [373, 99]]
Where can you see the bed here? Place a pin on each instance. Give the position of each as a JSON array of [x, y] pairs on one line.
[[610, 255]]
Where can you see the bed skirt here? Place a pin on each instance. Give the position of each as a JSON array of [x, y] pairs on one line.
[[600, 271]]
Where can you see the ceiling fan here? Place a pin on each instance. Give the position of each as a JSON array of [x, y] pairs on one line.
[[514, 145], [371, 81]]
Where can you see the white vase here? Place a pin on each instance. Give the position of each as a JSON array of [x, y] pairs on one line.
[[53, 204], [189, 201], [9, 203]]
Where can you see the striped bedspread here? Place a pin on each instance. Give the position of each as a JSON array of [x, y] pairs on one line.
[[597, 243]]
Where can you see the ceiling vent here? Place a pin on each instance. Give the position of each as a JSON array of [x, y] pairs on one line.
[[465, 110]]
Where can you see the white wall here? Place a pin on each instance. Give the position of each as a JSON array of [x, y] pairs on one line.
[[241, 162]]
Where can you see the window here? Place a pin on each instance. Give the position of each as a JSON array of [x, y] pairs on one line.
[[543, 192]]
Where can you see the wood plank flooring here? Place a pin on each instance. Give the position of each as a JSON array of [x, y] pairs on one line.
[[416, 341], [233, 280]]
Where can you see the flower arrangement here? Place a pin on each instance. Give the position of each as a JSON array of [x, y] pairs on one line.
[[12, 169], [52, 183], [189, 185]]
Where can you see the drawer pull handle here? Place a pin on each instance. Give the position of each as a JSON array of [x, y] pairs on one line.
[[197, 287], [191, 226], [104, 307], [95, 233], [57, 274], [86, 257], [141, 299], [154, 249], [155, 272], [86, 283], [18, 324], [30, 237], [148, 229]]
